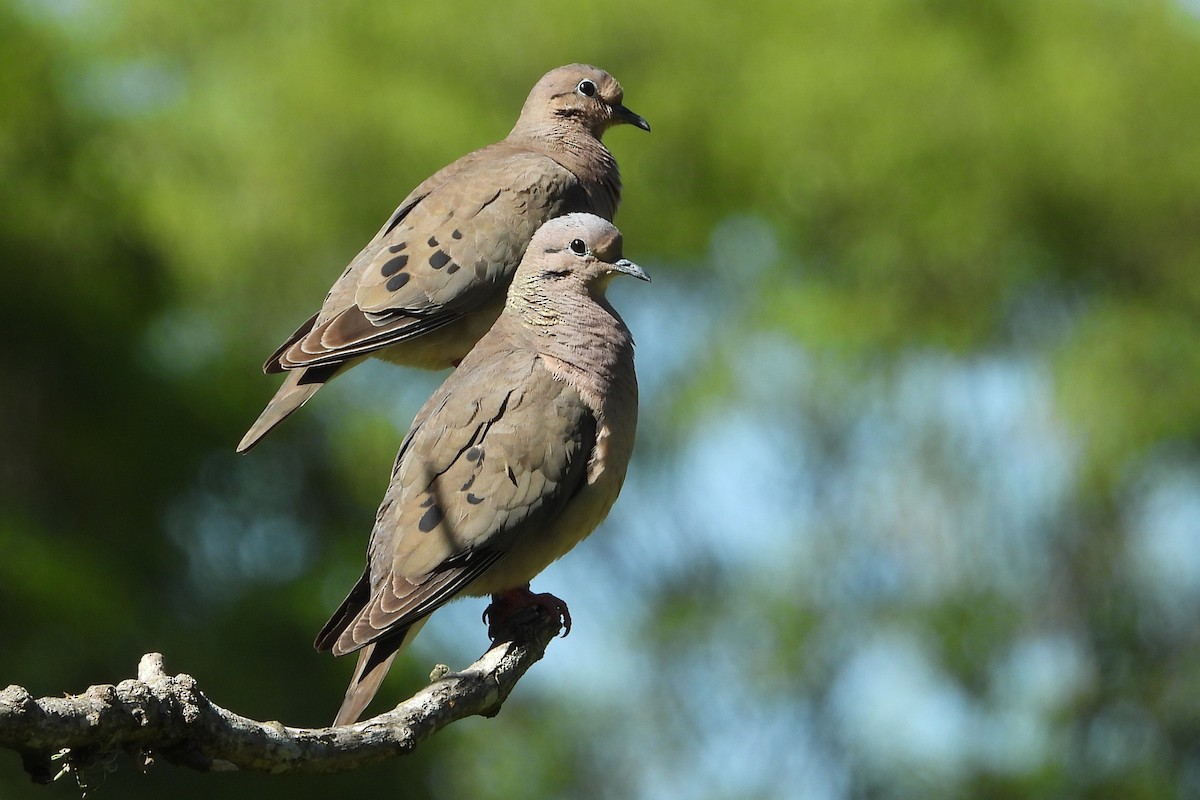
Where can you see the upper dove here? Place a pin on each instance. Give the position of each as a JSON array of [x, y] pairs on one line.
[[433, 279]]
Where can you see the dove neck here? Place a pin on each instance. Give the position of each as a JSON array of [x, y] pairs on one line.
[[580, 334], [574, 147]]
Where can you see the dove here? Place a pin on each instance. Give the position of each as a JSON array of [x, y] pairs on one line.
[[433, 279], [516, 457]]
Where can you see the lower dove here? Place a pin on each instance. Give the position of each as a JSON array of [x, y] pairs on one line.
[[516, 458]]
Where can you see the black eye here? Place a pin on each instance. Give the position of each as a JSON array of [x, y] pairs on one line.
[[586, 88], [578, 247]]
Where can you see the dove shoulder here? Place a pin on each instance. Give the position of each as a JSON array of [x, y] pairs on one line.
[[448, 252]]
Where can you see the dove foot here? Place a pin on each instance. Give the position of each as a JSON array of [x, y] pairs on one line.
[[511, 610]]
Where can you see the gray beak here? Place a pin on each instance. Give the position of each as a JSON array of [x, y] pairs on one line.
[[623, 114], [629, 268]]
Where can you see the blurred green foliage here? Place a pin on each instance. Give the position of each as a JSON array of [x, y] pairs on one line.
[[922, 360]]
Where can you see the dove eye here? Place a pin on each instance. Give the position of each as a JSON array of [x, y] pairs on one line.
[[586, 88], [578, 247]]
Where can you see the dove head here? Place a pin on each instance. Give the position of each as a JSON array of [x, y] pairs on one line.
[[577, 97], [568, 258]]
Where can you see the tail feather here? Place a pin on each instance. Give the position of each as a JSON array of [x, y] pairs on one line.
[[345, 615], [374, 660], [297, 388]]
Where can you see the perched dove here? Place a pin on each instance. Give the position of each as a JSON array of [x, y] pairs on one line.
[[517, 457], [432, 281]]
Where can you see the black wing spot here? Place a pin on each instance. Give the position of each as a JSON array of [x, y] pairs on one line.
[[453, 268], [433, 242], [474, 454], [474, 499], [393, 266], [431, 519], [397, 281], [439, 259], [457, 234], [396, 248]]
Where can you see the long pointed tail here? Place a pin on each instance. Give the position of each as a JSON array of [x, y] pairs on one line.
[[374, 660], [297, 388]]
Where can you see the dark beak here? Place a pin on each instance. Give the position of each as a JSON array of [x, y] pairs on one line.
[[623, 114], [628, 267]]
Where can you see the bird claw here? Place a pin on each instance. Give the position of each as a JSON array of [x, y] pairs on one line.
[[511, 610]]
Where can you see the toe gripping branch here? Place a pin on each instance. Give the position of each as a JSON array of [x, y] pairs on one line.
[[514, 609]]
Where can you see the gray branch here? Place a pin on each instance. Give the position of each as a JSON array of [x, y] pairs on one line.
[[169, 717]]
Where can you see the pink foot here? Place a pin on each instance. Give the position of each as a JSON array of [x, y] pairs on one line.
[[510, 609]]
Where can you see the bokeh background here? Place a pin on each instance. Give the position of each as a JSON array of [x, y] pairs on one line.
[[915, 510]]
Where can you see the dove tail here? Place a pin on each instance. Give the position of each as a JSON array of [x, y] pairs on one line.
[[297, 388], [374, 660]]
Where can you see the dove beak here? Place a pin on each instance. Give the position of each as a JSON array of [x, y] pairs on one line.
[[623, 114], [627, 267]]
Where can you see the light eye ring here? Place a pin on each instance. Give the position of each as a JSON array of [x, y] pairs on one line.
[[578, 247], [587, 87]]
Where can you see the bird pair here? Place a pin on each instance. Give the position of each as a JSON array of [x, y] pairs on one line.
[[499, 260]]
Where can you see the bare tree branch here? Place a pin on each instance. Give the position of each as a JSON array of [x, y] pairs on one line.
[[168, 716]]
